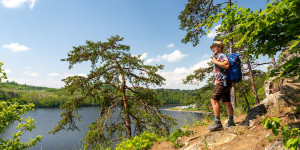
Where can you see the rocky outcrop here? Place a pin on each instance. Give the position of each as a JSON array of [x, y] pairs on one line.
[[280, 93], [214, 139]]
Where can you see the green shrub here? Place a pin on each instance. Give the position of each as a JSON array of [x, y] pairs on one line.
[[141, 142], [179, 133], [297, 110], [199, 123], [239, 110], [290, 137]]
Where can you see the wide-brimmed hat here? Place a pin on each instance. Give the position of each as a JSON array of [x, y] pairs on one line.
[[217, 43]]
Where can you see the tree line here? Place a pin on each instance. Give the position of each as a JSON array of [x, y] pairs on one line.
[[44, 97]]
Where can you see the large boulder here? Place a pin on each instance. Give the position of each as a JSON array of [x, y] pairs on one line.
[[280, 93]]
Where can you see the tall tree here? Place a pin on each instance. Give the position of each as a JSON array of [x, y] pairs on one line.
[[252, 79], [272, 30], [193, 19], [119, 82]]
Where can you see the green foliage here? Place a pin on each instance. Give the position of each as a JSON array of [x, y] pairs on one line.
[[289, 69], [43, 97], [271, 138], [10, 113], [177, 96], [179, 133], [264, 32], [200, 123], [239, 110], [141, 142], [290, 137], [297, 110]]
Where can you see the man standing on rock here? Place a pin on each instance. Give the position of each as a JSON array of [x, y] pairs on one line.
[[222, 87]]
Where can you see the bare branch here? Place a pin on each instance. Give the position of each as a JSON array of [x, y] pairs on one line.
[[208, 9], [255, 65], [106, 115], [100, 113]]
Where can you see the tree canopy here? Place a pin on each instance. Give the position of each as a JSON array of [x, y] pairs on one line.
[[275, 29]]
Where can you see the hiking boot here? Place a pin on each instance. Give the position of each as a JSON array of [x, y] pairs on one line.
[[216, 126], [229, 124]]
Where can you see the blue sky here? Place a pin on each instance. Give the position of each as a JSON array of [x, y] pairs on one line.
[[36, 34]]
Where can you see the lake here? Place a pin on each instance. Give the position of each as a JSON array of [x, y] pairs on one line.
[[47, 118]]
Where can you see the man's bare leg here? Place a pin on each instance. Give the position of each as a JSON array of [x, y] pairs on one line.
[[217, 125], [216, 107]]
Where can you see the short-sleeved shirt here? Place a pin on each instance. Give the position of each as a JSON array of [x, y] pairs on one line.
[[220, 73]]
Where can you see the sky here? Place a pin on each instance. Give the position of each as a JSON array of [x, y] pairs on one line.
[[36, 34]]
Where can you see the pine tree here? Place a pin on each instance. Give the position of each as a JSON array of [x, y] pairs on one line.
[[119, 82]]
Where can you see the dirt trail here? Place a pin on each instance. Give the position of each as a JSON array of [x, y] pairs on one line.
[[254, 138]]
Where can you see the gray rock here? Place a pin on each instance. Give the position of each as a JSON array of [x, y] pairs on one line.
[[214, 139], [196, 146], [276, 145]]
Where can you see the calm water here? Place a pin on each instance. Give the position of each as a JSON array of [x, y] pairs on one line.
[[47, 118]]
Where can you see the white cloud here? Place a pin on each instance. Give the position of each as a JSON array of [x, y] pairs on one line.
[[49, 82], [7, 70], [170, 45], [213, 32], [65, 75], [143, 56], [28, 73], [82, 74], [32, 3], [263, 67], [173, 57], [18, 3], [206, 56], [15, 47], [175, 78], [52, 80], [27, 68], [150, 60], [53, 74]]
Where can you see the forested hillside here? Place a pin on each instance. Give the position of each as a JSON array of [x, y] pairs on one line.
[[44, 97], [50, 97]]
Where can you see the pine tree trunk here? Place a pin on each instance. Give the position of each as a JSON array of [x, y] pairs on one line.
[[232, 90], [274, 62], [233, 96], [127, 117], [252, 81], [242, 89]]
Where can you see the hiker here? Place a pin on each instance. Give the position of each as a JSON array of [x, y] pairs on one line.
[[222, 87]]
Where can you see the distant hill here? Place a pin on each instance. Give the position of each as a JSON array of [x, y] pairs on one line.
[[52, 97]]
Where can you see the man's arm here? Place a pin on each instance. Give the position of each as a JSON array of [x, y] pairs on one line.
[[224, 64]]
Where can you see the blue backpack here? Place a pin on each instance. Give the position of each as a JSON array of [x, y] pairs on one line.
[[234, 72]]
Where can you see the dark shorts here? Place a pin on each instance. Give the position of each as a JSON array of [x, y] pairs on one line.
[[221, 91]]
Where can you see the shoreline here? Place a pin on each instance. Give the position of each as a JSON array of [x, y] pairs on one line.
[[197, 111]]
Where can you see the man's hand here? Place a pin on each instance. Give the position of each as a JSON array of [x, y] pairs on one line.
[[214, 61], [224, 64]]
